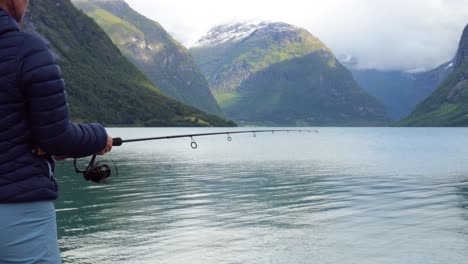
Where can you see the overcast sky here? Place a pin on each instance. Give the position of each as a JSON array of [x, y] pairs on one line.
[[382, 34]]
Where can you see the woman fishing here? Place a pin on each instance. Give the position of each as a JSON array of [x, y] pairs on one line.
[[34, 127]]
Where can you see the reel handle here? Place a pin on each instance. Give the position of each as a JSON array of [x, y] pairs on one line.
[[117, 142]]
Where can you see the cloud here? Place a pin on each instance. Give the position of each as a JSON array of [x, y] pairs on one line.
[[381, 34]]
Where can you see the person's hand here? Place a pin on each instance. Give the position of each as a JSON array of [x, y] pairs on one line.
[[108, 147]]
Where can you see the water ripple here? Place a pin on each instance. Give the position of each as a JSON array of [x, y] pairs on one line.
[[323, 206]]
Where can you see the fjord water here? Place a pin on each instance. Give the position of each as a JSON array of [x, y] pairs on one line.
[[345, 195]]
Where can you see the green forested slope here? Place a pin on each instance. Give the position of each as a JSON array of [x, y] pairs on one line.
[[447, 106], [145, 43]]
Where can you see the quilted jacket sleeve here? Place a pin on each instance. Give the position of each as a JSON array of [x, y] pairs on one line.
[[47, 110]]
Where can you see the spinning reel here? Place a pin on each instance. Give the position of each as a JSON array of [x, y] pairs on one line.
[[95, 172]]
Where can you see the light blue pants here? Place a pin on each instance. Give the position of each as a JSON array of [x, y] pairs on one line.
[[28, 234]]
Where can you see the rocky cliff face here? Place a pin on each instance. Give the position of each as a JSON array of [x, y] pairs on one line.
[[276, 73], [101, 84], [145, 43]]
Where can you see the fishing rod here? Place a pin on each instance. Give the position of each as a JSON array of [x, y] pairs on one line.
[[98, 173]]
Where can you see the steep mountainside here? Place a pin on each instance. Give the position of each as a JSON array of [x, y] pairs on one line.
[[399, 91], [462, 54], [448, 105], [276, 73], [144, 42], [101, 84]]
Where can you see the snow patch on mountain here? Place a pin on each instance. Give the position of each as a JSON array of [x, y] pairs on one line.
[[236, 32]]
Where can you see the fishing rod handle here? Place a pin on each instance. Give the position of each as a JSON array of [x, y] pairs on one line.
[[116, 142]]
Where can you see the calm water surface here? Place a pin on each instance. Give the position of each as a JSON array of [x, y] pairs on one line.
[[345, 195]]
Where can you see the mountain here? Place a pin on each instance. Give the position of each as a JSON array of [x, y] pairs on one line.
[[102, 85], [448, 105], [145, 43], [462, 55], [400, 91], [276, 73]]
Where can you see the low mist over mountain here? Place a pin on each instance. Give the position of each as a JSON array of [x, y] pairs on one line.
[[399, 91], [448, 105], [102, 85], [144, 42], [276, 73]]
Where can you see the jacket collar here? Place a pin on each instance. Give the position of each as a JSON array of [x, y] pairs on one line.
[[7, 23]]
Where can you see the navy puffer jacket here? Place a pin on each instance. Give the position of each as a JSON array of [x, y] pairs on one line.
[[34, 112]]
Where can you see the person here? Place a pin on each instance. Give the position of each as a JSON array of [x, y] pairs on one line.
[[34, 127]]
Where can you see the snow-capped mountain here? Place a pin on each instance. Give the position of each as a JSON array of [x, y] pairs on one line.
[[276, 73], [236, 32]]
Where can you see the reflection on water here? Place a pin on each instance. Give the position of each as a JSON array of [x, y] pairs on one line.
[[362, 195]]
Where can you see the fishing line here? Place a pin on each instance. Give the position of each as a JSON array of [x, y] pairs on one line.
[[100, 172]]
